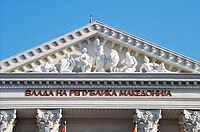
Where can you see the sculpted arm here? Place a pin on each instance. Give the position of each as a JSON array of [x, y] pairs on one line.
[[135, 62]]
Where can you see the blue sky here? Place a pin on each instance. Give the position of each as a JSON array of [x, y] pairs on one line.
[[174, 24]]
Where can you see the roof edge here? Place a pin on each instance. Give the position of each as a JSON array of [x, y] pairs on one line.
[[154, 44]]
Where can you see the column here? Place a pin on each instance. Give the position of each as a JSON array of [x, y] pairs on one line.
[[147, 120], [189, 121], [49, 120], [7, 120]]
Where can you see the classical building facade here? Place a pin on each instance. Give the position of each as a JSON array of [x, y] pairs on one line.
[[99, 79]]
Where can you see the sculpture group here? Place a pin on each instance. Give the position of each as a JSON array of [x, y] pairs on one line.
[[100, 63]]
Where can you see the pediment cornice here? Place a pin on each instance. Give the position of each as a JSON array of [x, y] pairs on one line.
[[68, 42]]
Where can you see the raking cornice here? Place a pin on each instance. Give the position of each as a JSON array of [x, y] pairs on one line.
[[67, 41]]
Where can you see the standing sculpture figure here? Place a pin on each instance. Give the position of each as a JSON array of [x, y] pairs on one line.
[[100, 57], [129, 63], [67, 63], [85, 62]]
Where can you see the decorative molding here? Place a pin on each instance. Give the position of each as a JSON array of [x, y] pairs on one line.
[[165, 54], [7, 120], [189, 120], [147, 120], [33, 55], [100, 80], [99, 61], [49, 120], [98, 84]]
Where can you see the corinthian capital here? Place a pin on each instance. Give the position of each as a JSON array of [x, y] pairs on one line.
[[7, 120], [189, 121], [147, 120], [48, 120]]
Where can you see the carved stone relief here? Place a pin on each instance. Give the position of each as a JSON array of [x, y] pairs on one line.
[[129, 63], [100, 57], [67, 63], [147, 66], [112, 61], [47, 67], [100, 62], [85, 61]]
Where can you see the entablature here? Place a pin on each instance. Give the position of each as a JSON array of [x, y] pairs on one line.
[[99, 80]]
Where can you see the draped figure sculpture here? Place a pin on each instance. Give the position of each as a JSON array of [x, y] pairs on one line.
[[129, 63], [67, 63], [112, 61], [148, 67], [100, 57], [85, 61], [49, 66], [152, 67]]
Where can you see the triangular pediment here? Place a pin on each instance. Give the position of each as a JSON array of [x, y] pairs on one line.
[[74, 42]]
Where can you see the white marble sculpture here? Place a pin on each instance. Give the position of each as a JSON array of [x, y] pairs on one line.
[[100, 57], [153, 67], [161, 68], [48, 120], [112, 61], [129, 63], [85, 62], [49, 66], [67, 64], [7, 120], [149, 67], [37, 69]]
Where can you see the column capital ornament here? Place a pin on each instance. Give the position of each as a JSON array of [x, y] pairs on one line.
[[147, 120], [7, 120], [49, 120], [189, 120]]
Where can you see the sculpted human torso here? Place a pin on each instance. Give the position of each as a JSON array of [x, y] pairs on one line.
[[148, 67], [100, 57], [67, 63], [85, 63], [153, 67], [129, 63]]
